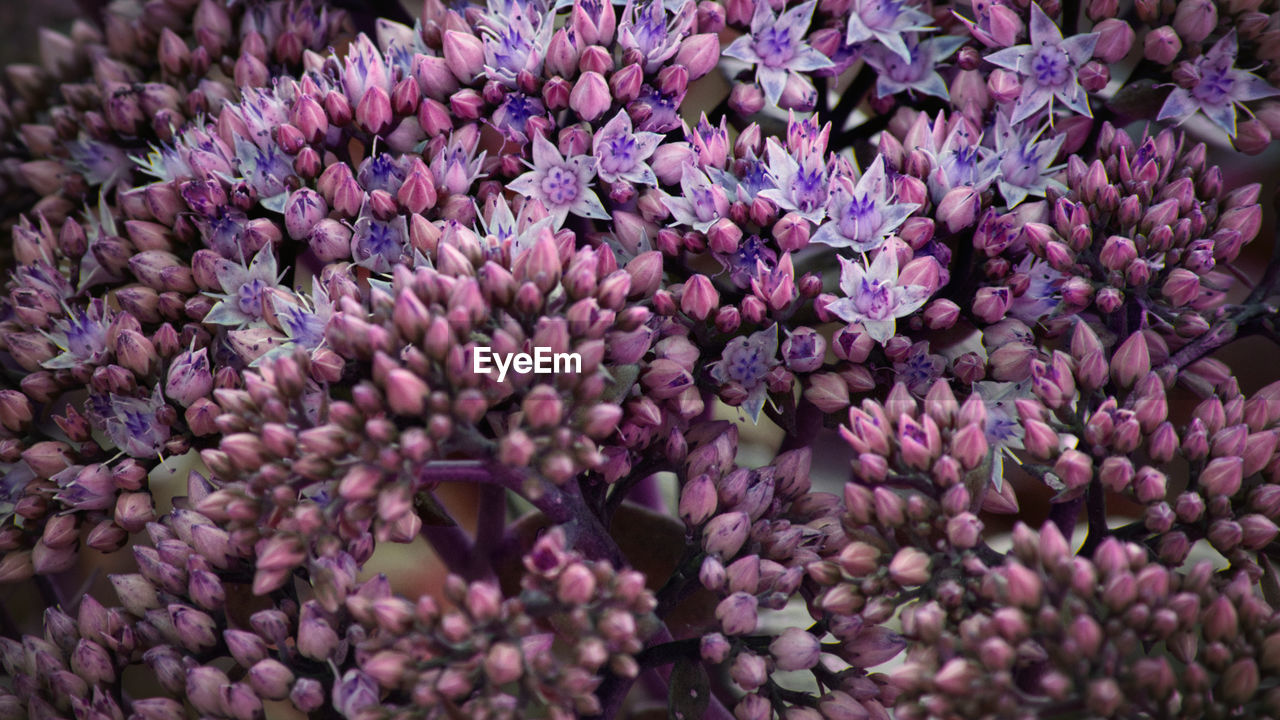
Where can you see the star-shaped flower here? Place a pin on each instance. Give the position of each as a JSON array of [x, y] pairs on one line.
[[701, 203], [1025, 168], [862, 215], [885, 21], [245, 290], [776, 47], [799, 186], [1048, 67], [1220, 88], [562, 186], [747, 362], [916, 73], [621, 153], [873, 296]]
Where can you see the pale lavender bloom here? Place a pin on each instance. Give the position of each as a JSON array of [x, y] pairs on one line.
[[621, 153], [1043, 294], [663, 110], [701, 203], [776, 47], [1220, 88], [378, 244], [133, 426], [747, 361], [244, 288], [1003, 429], [751, 260], [709, 142], [885, 21], [383, 171], [873, 296], [1025, 168], [354, 693], [919, 368], [748, 178], [919, 72], [223, 231], [962, 161], [457, 166], [514, 42], [502, 229], [1048, 66], [100, 163], [364, 68], [262, 112], [862, 216], [644, 27], [81, 336], [264, 168], [799, 186], [304, 321], [399, 43], [512, 116], [562, 186]]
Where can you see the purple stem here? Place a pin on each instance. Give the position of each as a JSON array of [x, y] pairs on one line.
[[646, 493], [490, 524], [453, 547]]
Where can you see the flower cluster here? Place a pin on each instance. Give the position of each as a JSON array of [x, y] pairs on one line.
[[915, 268]]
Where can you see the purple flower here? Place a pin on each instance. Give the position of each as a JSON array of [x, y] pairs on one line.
[[364, 68], [1048, 66], [1025, 161], [748, 178], [513, 42], [962, 161], [621, 153], [383, 172], [133, 426], [1043, 294], [512, 116], [799, 186], [862, 215], [919, 369], [700, 204], [356, 691], [99, 162], [244, 288], [502, 229], [82, 337], [303, 321], [1003, 430], [885, 21], [751, 258], [916, 73], [747, 362], [644, 28], [562, 186], [457, 166], [379, 244], [1219, 89], [776, 47], [873, 296], [223, 231]]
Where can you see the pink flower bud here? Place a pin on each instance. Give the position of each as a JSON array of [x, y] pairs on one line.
[[795, 649], [590, 97], [737, 614], [464, 54], [725, 534], [909, 567]]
